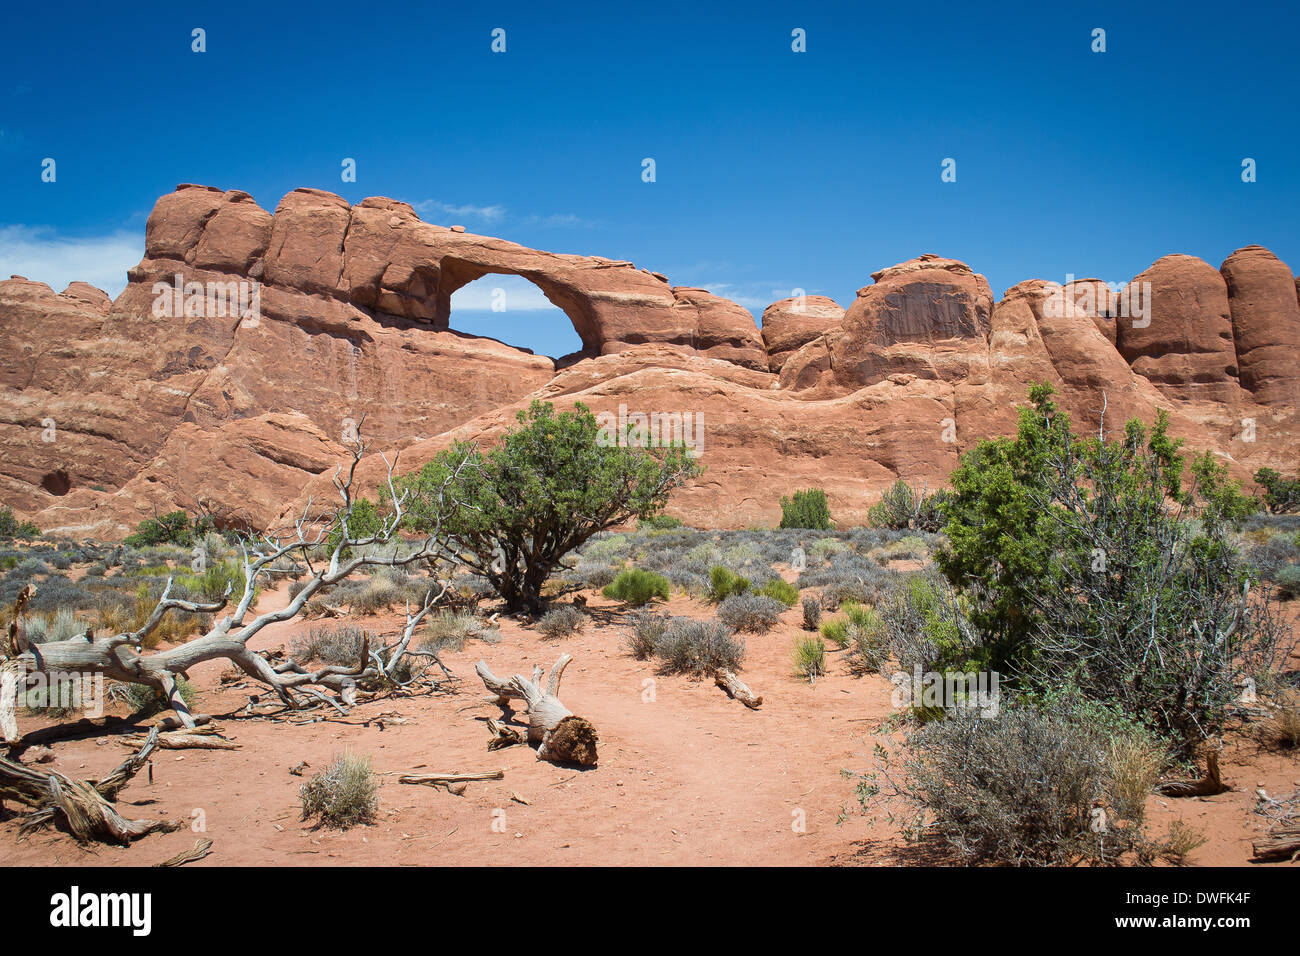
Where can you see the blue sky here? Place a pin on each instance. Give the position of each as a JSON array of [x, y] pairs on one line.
[[775, 169]]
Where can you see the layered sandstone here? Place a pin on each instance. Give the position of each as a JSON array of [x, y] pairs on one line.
[[110, 412]]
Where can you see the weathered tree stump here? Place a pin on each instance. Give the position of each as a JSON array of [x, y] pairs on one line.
[[562, 736]]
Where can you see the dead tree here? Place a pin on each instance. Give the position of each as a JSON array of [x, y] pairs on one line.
[[84, 807], [563, 737], [122, 656]]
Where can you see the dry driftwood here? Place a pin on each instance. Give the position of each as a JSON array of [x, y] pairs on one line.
[[124, 657], [200, 849], [1282, 843], [1207, 786], [203, 737], [503, 735], [737, 689], [451, 782], [563, 736], [85, 807]]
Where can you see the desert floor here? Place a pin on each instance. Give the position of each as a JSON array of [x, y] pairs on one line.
[[685, 775]]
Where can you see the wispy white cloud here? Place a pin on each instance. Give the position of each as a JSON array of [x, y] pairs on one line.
[[436, 209], [515, 293], [42, 254]]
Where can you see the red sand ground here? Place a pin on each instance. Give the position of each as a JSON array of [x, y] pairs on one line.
[[690, 777]]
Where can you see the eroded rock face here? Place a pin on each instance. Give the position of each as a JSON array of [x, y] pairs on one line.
[[1183, 340], [111, 412], [1265, 324], [792, 323]]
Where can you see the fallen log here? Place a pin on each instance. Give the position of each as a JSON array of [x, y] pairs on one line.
[[1206, 786], [1283, 843], [737, 689], [83, 806], [562, 736]]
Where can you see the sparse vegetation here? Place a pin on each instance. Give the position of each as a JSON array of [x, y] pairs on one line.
[[901, 507], [810, 658], [561, 621], [540, 493], [812, 612], [637, 587], [747, 612], [345, 794], [697, 648], [806, 509], [724, 583]]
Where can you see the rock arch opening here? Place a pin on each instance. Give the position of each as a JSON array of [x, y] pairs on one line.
[[514, 310]]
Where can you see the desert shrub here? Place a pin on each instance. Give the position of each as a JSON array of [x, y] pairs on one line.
[[11, 527], [212, 583], [1023, 787], [826, 548], [697, 648], [1280, 495], [723, 583], [812, 612], [174, 527], [1098, 561], [781, 590], [1283, 728], [62, 625], [810, 658], [1272, 554], [590, 574], [344, 794], [1288, 580], [97, 570], [561, 622], [836, 630], [925, 624], [753, 613], [806, 509], [333, 644], [144, 700], [647, 631], [902, 507], [660, 523], [848, 578], [541, 492], [364, 520], [638, 587], [869, 646], [453, 629]]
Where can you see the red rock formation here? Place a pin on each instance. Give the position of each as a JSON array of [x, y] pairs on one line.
[[1265, 324], [791, 323], [243, 412]]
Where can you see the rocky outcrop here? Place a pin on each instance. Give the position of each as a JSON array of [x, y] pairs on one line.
[[1265, 324], [792, 323], [237, 403]]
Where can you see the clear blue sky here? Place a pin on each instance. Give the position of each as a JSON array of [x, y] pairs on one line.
[[775, 169]]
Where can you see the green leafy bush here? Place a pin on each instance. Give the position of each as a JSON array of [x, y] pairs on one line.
[[1281, 495], [781, 590], [174, 527], [541, 492], [11, 527], [1099, 562], [806, 509], [637, 587], [723, 583]]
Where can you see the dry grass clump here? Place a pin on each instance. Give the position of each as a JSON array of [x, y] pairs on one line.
[[344, 794], [810, 658], [685, 646], [331, 644], [451, 630], [561, 621], [749, 612]]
